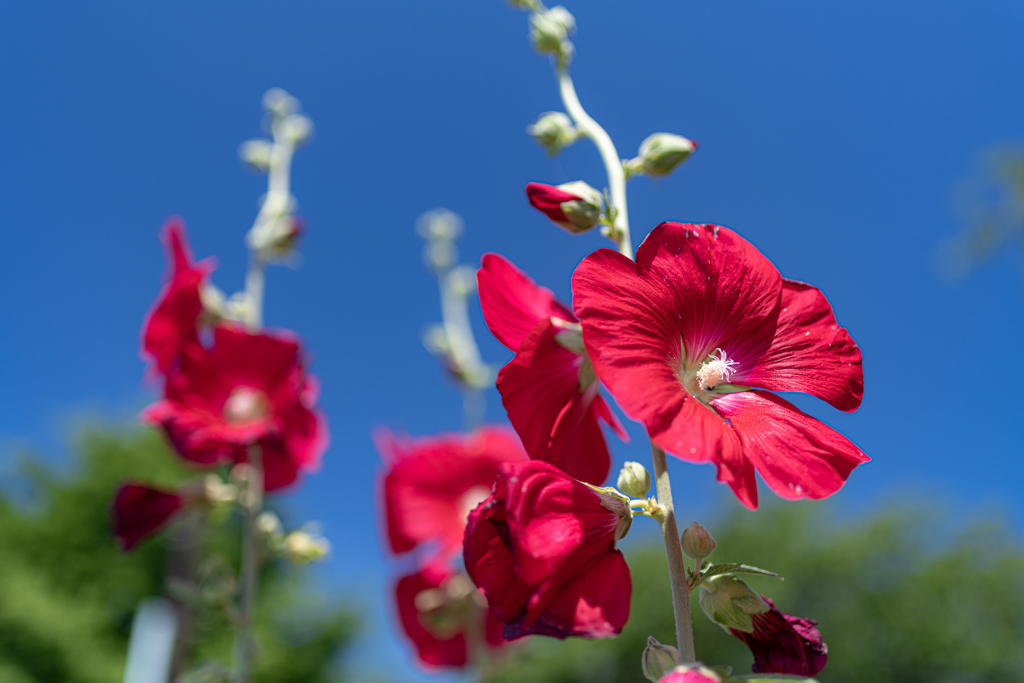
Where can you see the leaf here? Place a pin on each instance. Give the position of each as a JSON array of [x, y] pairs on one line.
[[736, 567]]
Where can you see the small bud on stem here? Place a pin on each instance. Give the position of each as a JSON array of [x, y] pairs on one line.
[[658, 659], [697, 542], [634, 480]]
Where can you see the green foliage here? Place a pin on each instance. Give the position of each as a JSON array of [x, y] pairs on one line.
[[897, 601], [67, 594]]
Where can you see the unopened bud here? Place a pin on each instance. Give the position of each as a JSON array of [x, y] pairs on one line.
[[256, 153], [661, 153], [302, 547], [550, 30], [268, 524], [729, 601], [634, 480], [217, 492], [279, 102], [439, 224], [553, 131], [296, 128], [575, 207], [697, 542], [659, 659], [525, 5]]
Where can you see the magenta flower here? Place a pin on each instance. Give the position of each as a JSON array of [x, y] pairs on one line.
[[549, 388], [541, 549], [784, 644], [574, 207], [139, 511], [687, 337], [690, 673]]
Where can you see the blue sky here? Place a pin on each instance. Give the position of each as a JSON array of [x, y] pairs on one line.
[[832, 136]]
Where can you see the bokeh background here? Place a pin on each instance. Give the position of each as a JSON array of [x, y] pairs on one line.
[[832, 135]]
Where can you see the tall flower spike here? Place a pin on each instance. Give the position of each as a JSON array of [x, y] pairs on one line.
[[541, 548], [548, 388], [687, 337]]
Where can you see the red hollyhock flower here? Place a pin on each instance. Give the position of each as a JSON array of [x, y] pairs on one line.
[[432, 483], [541, 549], [690, 673], [247, 389], [172, 320], [549, 388], [784, 644], [438, 608], [680, 338], [575, 206], [139, 510]]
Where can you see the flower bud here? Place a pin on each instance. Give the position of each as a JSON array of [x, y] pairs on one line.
[[659, 659], [553, 131], [268, 524], [302, 547], [256, 153], [729, 601], [296, 128], [661, 153], [575, 207], [550, 30], [697, 542], [634, 480], [279, 102]]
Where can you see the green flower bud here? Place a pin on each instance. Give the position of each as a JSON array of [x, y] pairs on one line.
[[550, 30], [302, 547], [697, 542], [729, 601], [256, 153], [634, 480], [553, 131], [658, 659], [661, 153]]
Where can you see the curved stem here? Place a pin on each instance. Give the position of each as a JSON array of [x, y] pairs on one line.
[[676, 570], [609, 155]]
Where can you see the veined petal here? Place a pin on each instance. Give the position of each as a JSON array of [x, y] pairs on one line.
[[512, 303], [810, 353], [795, 454]]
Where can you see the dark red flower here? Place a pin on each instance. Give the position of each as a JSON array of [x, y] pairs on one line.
[[784, 644], [139, 510], [682, 335], [247, 390], [575, 206], [172, 319], [438, 609], [432, 483], [549, 388], [541, 549]]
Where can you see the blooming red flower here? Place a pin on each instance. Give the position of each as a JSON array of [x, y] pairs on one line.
[[541, 549], [575, 207], [246, 390], [548, 389], [172, 320], [139, 510], [438, 608], [432, 483], [784, 644], [682, 335]]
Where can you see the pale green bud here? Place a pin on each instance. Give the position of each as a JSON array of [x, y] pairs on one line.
[[583, 213], [729, 601], [662, 152], [550, 30], [634, 480], [697, 542], [302, 547], [659, 659], [256, 153], [296, 128], [553, 131], [279, 102]]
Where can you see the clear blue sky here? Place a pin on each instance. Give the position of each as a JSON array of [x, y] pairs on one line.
[[831, 136]]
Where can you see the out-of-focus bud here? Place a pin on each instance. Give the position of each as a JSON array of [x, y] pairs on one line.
[[553, 131], [575, 207], [216, 491], [729, 601], [550, 30], [296, 128], [697, 542], [660, 154], [256, 153], [694, 672], [279, 102], [269, 525], [659, 659], [634, 480], [525, 5], [439, 224], [302, 547]]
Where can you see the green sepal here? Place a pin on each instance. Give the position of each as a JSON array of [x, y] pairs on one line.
[[729, 567]]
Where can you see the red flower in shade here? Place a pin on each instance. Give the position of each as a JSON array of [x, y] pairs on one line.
[[172, 320], [541, 548], [549, 388], [247, 389], [140, 510], [432, 483], [438, 608], [784, 644], [681, 336]]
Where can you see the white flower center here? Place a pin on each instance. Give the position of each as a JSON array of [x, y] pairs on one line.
[[471, 498], [245, 404], [716, 369]]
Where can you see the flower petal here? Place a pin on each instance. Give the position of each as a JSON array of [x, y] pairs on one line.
[[784, 644], [795, 454], [512, 303], [431, 649], [139, 511], [810, 352], [490, 563]]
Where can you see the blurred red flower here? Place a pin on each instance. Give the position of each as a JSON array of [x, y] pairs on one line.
[[690, 673], [541, 548], [431, 484], [548, 389], [246, 390], [680, 336], [784, 644], [139, 510]]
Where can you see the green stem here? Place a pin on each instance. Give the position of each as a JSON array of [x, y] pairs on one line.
[[674, 552], [252, 504]]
